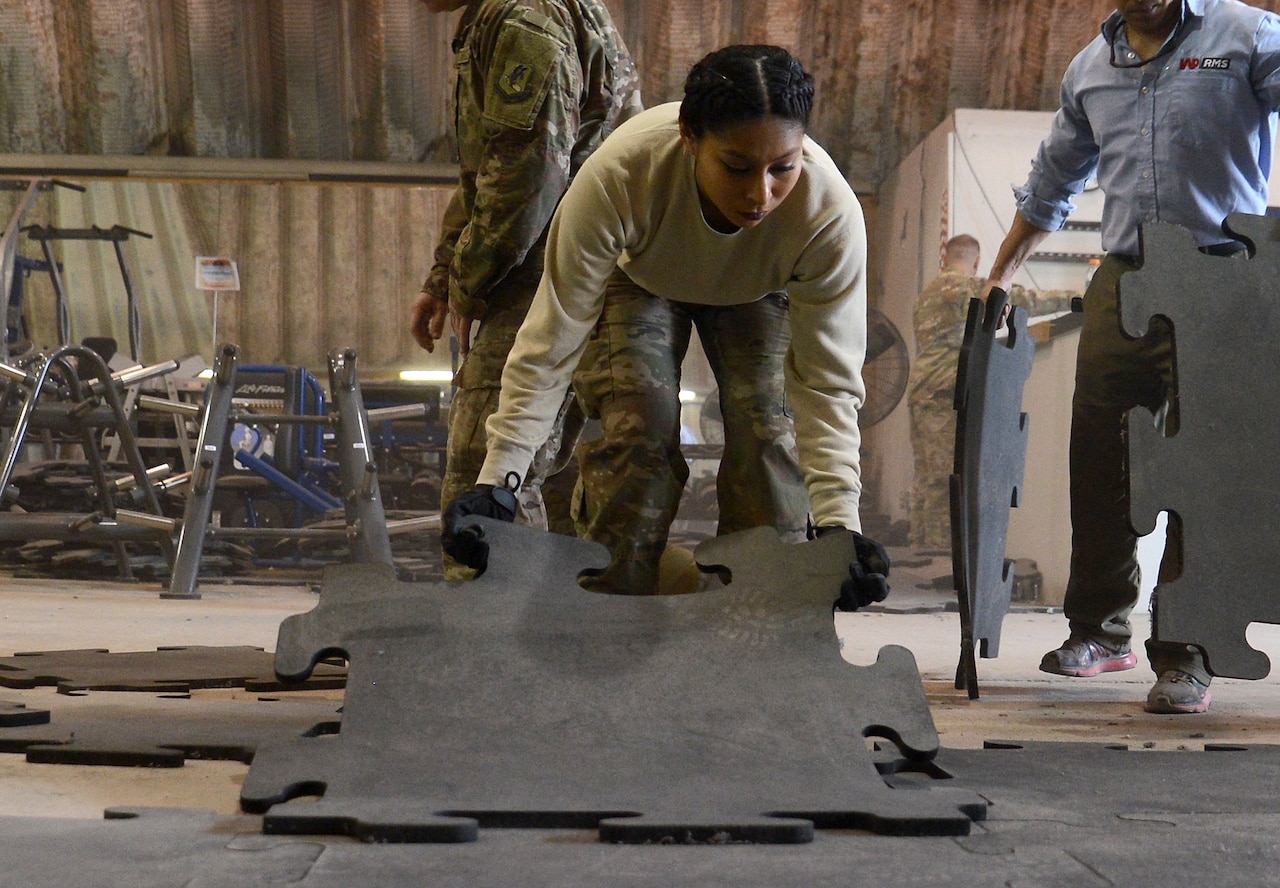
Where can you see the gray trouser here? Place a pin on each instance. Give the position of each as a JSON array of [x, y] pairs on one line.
[[1115, 374]]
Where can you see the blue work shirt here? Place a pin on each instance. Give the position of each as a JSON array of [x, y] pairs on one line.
[[1185, 138]]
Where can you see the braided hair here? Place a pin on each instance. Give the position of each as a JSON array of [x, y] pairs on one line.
[[745, 82]]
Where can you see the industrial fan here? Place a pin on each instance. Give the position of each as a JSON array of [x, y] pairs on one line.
[[885, 370]]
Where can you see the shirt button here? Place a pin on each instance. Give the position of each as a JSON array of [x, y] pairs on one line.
[[1132, 55], [1146, 174], [1145, 131], [1146, 90]]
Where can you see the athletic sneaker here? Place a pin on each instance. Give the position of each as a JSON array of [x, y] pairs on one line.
[[1177, 692], [1082, 657]]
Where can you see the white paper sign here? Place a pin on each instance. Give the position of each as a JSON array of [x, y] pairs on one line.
[[216, 273]]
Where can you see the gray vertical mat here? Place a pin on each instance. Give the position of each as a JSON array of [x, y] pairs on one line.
[[1220, 473], [521, 700], [991, 452]]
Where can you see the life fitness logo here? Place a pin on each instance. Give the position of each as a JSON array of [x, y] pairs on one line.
[[1205, 64]]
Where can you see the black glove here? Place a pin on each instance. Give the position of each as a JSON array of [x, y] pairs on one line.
[[464, 541], [868, 580]]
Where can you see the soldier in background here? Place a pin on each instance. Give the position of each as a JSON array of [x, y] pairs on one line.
[[540, 84], [939, 321]]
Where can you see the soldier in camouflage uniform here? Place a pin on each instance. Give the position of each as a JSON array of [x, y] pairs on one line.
[[540, 84], [939, 322], [717, 214]]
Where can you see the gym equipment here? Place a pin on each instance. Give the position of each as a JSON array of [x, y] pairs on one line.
[[366, 529], [71, 390]]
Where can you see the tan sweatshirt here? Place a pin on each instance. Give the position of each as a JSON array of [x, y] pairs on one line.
[[634, 206]]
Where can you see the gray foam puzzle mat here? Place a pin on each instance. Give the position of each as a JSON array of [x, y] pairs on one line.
[[1080, 783], [991, 449], [159, 732], [170, 669], [521, 700], [1220, 473], [1165, 818]]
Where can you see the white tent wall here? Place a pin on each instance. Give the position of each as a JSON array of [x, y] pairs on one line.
[[912, 214]]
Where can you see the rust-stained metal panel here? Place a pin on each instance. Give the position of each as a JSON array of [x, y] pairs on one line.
[[370, 79], [335, 80], [321, 267]]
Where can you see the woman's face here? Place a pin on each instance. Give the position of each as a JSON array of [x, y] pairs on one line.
[[745, 170]]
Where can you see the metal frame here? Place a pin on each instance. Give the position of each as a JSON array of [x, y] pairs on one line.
[[116, 234], [366, 529], [78, 407]]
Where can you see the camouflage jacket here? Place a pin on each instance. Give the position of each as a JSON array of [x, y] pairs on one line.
[[540, 84], [939, 320]]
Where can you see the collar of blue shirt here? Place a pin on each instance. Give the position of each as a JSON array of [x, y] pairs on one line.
[[1192, 13]]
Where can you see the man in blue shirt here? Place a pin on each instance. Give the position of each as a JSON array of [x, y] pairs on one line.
[[1172, 107]]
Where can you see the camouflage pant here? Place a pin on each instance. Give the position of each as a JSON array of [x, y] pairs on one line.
[[633, 474], [933, 442], [475, 399]]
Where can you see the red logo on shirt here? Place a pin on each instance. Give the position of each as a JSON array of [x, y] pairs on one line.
[[1208, 64]]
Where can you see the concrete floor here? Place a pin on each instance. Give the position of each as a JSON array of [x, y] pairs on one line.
[[1017, 701]]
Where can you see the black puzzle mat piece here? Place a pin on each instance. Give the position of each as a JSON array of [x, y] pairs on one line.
[[991, 448], [179, 848], [14, 714], [1219, 475], [1083, 784], [152, 847], [159, 732], [520, 699], [167, 669]]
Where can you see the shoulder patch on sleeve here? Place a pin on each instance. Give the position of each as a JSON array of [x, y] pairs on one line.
[[524, 59]]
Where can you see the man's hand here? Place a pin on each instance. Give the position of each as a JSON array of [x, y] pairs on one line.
[[996, 297], [868, 581], [460, 538], [427, 320], [461, 331]]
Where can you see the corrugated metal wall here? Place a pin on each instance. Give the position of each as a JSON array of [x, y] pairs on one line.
[[369, 79], [321, 267], [338, 80]]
